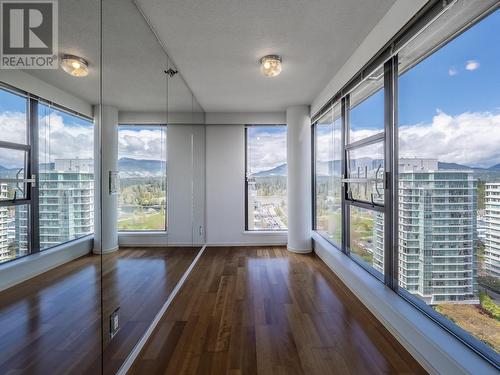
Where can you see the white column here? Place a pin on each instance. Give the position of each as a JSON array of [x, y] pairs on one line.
[[299, 178], [105, 215]]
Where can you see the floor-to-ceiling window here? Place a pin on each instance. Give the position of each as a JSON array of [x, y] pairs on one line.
[[449, 212], [47, 195], [15, 193], [431, 183], [364, 174], [65, 176], [328, 169], [265, 180], [142, 165]]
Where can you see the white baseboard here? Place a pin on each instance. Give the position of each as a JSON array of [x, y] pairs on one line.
[[244, 244]]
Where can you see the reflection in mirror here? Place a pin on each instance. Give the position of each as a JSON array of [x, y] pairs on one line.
[[150, 142], [49, 277]]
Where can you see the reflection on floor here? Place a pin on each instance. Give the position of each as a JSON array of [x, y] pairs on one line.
[[268, 311], [51, 323]]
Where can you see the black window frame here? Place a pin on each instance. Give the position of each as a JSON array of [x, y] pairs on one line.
[[32, 166], [388, 56], [165, 230], [247, 126]]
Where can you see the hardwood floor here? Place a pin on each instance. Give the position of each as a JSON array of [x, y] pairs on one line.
[[268, 311], [50, 324]]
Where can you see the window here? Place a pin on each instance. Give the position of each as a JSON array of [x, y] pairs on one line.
[[432, 116], [45, 199], [66, 176], [449, 216], [265, 180], [142, 165], [365, 165], [14, 162], [328, 198]]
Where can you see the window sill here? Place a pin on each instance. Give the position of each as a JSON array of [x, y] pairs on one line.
[[143, 232], [19, 270], [266, 232]]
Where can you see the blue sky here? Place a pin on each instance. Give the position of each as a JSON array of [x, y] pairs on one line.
[[442, 82]]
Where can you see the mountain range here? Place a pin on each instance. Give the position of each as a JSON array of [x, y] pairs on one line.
[[130, 167], [325, 168]]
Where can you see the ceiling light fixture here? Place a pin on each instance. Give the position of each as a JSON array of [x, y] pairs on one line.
[[270, 65], [75, 66]]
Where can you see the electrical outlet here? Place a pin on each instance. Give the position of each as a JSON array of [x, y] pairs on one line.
[[113, 323]]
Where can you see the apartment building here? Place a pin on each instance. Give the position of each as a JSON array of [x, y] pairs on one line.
[[492, 233], [437, 232]]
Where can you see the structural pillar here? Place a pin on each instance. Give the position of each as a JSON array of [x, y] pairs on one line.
[[299, 178], [106, 157]]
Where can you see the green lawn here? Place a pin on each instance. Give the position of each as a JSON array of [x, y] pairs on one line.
[[140, 221]]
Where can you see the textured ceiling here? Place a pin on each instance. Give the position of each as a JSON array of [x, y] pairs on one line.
[[133, 60], [216, 44]]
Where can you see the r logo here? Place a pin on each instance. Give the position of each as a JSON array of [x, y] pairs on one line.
[[29, 31]]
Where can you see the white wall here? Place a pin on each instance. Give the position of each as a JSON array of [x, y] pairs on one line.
[[225, 189], [255, 118], [397, 16]]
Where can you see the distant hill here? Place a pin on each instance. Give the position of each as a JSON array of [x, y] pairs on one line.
[[327, 168], [129, 167], [495, 167], [280, 170], [442, 165]]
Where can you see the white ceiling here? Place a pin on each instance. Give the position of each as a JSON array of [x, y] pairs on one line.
[[216, 44], [133, 61]]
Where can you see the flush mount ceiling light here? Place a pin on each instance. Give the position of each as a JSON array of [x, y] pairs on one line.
[[270, 65], [75, 66]]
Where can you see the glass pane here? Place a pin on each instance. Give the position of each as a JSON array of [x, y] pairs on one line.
[[367, 163], [266, 174], [448, 191], [328, 151], [12, 166], [66, 181], [142, 164], [367, 237], [13, 118], [13, 232], [366, 116]]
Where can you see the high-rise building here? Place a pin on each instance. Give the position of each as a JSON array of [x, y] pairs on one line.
[[437, 232], [66, 203], [5, 250], [492, 234]]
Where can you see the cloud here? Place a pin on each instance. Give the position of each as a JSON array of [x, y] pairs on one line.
[[472, 65], [142, 144], [58, 140], [268, 152], [470, 138], [452, 71], [64, 140]]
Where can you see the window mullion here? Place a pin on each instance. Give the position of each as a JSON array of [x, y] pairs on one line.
[[33, 170], [391, 170]]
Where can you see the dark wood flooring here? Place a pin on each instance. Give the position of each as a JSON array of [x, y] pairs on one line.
[[51, 324], [268, 311]]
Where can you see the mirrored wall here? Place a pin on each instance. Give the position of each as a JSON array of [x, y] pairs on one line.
[[102, 186]]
